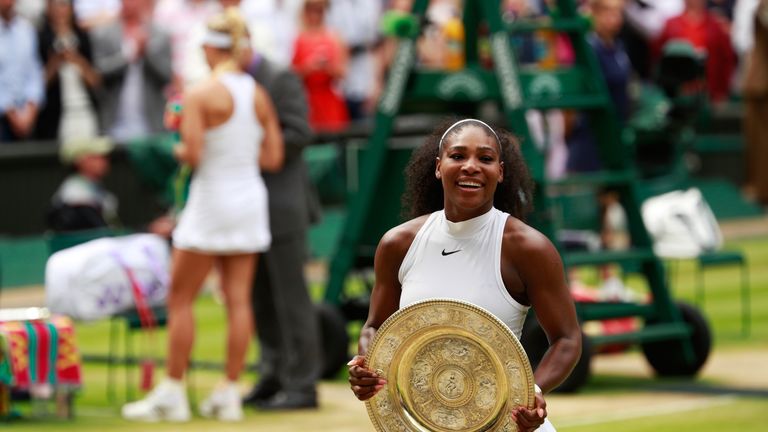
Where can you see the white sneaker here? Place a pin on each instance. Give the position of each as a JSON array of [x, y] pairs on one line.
[[167, 401], [224, 403]]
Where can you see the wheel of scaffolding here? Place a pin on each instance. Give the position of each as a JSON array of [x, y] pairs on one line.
[[668, 358]]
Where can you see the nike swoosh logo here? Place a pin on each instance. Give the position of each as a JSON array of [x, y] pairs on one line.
[[451, 252]]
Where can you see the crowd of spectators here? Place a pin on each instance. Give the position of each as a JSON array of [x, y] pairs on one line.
[[75, 68]]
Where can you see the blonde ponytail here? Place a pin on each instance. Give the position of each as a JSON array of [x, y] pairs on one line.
[[231, 23]]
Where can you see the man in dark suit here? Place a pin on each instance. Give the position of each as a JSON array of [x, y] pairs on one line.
[[286, 322]]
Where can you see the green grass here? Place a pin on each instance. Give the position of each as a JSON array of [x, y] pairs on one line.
[[722, 304], [209, 347], [743, 415], [722, 308]]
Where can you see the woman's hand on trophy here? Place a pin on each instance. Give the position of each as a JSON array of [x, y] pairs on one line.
[[364, 382], [528, 420]]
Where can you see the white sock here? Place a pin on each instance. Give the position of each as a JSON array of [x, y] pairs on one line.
[[174, 384], [229, 385]]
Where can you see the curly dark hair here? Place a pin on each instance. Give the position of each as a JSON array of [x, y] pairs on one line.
[[424, 192]]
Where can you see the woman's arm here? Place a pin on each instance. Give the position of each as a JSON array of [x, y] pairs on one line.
[[272, 149], [542, 272], [541, 282], [385, 300], [338, 67], [192, 128], [90, 75], [85, 62], [52, 66]]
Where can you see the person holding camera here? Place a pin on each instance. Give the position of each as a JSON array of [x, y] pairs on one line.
[[320, 59], [71, 80]]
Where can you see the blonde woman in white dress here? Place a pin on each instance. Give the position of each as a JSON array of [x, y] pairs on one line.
[[229, 133]]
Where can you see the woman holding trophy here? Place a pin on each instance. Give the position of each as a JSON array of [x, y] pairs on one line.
[[468, 189]]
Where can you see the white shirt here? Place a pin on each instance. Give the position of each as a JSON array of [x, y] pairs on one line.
[[743, 28], [273, 25], [462, 261], [650, 20], [356, 22], [21, 74], [130, 121]]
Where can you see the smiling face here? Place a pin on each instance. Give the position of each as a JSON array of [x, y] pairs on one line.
[[469, 168]]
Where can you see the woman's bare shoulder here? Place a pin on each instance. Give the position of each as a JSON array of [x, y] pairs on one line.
[[399, 238], [201, 91], [207, 87], [525, 241]]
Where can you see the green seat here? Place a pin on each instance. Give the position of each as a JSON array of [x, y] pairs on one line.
[[131, 322], [713, 259], [726, 258], [577, 209], [63, 240]]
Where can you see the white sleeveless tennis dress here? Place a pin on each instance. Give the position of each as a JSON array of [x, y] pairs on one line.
[[462, 261], [226, 212]]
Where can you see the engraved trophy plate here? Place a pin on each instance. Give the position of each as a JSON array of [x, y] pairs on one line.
[[450, 367]]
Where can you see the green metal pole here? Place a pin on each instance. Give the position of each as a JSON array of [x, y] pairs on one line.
[[373, 161]]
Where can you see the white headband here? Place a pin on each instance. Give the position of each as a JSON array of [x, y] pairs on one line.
[[440, 144], [216, 39]]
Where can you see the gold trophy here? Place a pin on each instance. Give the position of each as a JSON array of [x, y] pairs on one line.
[[450, 366]]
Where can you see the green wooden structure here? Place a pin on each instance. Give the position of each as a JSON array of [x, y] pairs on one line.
[[675, 338]]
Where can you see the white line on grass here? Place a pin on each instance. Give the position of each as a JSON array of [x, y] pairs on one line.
[[651, 411]]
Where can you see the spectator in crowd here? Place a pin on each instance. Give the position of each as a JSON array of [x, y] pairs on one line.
[[607, 18], [95, 13], [71, 81], [273, 25], [700, 27], [82, 202], [756, 107], [185, 20], [356, 21], [583, 154], [134, 58], [320, 59], [21, 75], [283, 311]]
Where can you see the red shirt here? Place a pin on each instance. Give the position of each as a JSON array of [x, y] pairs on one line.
[[707, 35]]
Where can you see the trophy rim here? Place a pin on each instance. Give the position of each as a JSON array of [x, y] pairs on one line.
[[528, 395]]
